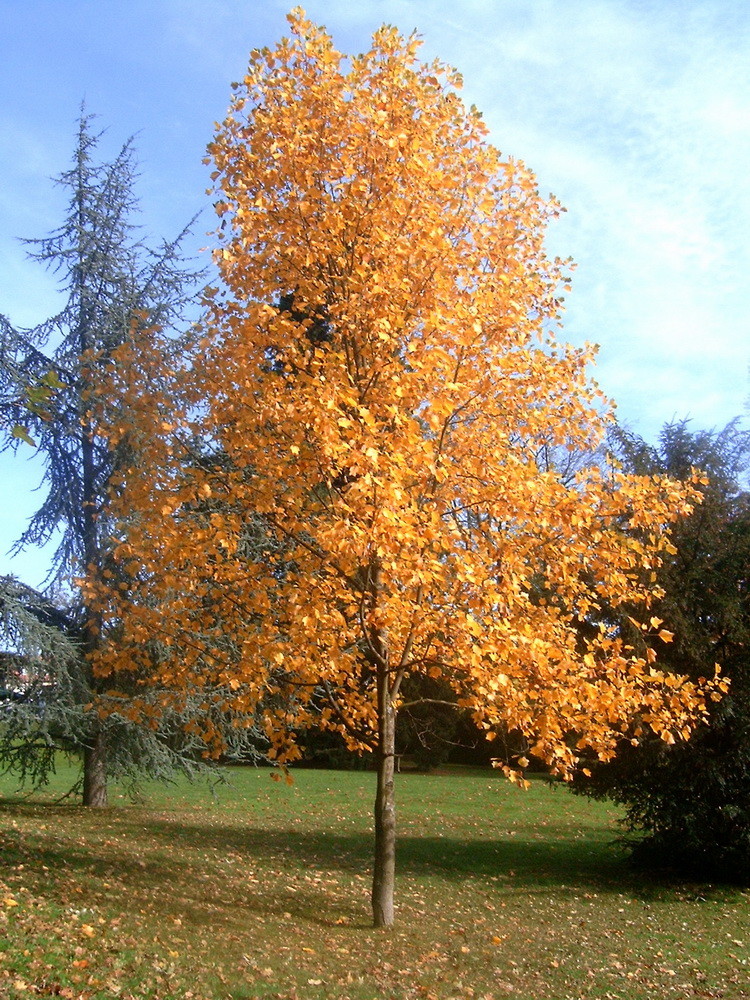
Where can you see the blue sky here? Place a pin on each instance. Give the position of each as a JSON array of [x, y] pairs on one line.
[[635, 113]]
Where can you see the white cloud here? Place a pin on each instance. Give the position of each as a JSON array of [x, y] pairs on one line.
[[637, 119]]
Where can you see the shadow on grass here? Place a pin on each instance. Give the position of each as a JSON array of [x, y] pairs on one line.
[[207, 870]]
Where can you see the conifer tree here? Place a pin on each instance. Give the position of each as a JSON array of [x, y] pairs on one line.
[[689, 803], [113, 283]]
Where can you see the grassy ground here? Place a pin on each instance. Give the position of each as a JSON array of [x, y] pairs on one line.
[[263, 892]]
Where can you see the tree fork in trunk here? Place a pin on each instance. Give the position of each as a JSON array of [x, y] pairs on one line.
[[384, 873]]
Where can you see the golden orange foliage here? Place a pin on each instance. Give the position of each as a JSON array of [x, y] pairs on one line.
[[351, 478]]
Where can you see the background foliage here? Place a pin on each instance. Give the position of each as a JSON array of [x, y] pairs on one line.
[[692, 800]]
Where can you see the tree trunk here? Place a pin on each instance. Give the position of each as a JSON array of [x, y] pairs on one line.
[[95, 771], [384, 872], [95, 753]]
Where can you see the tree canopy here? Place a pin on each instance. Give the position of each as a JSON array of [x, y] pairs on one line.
[[380, 382]]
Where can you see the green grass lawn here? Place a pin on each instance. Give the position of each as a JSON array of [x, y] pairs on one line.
[[263, 891]]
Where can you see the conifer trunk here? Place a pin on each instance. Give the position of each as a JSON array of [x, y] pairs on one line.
[[384, 872], [95, 771], [95, 753]]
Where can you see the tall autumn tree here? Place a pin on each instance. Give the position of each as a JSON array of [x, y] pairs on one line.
[[380, 381], [113, 284]]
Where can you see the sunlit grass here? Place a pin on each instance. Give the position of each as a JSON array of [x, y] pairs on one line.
[[263, 891]]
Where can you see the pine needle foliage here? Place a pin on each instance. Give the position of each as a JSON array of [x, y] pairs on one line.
[[113, 281], [45, 710], [116, 286]]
